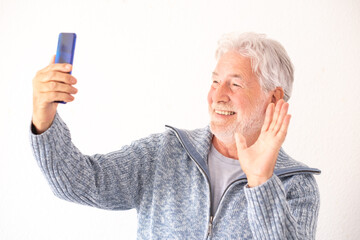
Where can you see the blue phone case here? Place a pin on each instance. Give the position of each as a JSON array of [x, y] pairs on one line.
[[65, 50]]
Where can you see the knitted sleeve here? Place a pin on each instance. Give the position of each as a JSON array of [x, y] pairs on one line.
[[111, 181], [279, 212]]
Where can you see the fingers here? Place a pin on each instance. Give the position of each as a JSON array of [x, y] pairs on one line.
[[277, 118], [56, 96], [54, 83], [268, 117], [280, 119], [57, 87], [282, 115], [56, 76], [276, 113], [284, 126], [61, 67]]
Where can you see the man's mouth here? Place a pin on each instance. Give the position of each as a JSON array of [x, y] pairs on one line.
[[227, 113]]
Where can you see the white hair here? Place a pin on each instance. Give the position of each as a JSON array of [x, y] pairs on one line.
[[269, 60]]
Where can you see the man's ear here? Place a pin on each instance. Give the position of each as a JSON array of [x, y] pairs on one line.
[[277, 95]]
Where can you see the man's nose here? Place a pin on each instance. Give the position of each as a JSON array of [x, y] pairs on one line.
[[222, 93]]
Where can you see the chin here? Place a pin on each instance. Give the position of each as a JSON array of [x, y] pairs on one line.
[[226, 133], [223, 133]]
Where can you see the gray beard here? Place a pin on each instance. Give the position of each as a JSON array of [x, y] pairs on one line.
[[247, 126]]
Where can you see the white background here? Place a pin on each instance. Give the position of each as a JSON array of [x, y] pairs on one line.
[[143, 64]]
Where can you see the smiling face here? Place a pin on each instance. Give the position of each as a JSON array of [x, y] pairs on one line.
[[236, 100]]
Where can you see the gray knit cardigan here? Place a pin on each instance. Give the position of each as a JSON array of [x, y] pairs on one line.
[[166, 179]]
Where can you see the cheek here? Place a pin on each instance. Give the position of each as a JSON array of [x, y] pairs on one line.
[[242, 104]]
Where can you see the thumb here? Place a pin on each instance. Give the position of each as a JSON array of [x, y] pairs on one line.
[[52, 59], [240, 141]]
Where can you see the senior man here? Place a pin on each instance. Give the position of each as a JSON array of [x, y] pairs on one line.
[[229, 180]]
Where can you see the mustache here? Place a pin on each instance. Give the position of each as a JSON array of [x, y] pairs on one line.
[[223, 106]]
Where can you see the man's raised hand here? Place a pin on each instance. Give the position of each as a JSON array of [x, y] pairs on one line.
[[53, 83], [258, 160]]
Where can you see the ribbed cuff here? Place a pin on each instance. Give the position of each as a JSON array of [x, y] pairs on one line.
[[58, 125], [55, 140], [267, 208], [55, 136]]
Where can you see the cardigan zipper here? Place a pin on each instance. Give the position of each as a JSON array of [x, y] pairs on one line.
[[210, 224]]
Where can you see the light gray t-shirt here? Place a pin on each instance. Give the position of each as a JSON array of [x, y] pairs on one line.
[[223, 171]]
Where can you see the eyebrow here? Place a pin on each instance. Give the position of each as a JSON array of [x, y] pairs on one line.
[[235, 76], [231, 75]]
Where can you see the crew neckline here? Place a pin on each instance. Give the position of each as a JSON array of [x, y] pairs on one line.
[[223, 158]]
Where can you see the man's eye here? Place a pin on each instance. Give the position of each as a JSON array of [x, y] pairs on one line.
[[237, 85]]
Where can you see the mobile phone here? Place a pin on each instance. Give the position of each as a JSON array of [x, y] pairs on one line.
[[65, 50]]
